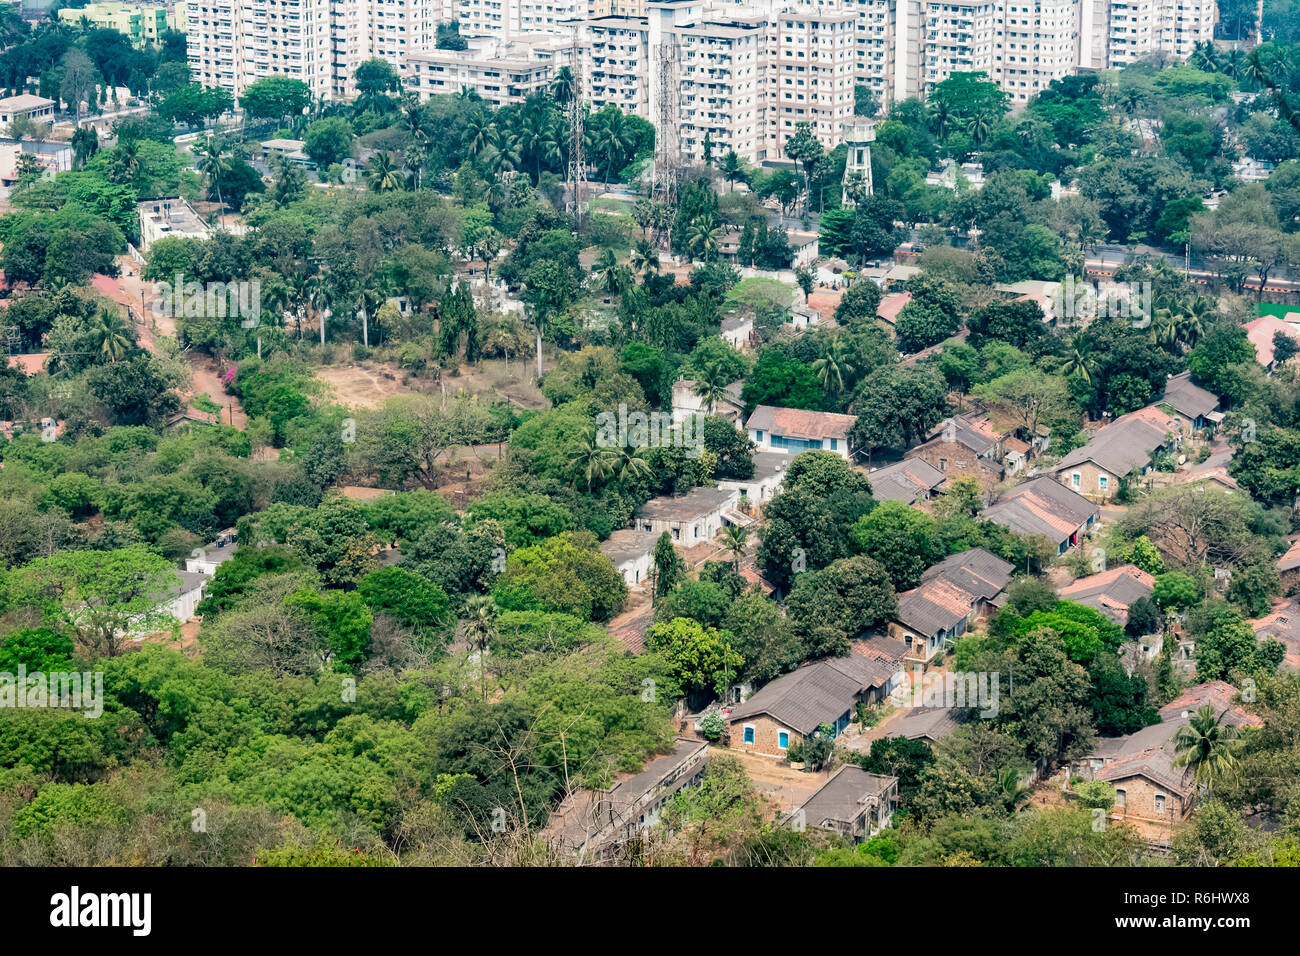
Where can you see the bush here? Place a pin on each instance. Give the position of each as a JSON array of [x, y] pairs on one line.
[[712, 727]]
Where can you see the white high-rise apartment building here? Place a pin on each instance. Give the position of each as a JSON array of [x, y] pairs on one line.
[[233, 43], [503, 72], [811, 59], [1039, 44], [1118, 32]]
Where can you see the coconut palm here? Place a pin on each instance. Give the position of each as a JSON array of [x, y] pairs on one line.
[[212, 163], [303, 289], [562, 85], [703, 238], [1204, 57], [480, 133], [478, 626], [626, 465], [612, 141], [591, 463], [1193, 320], [1164, 327], [644, 258], [735, 540], [711, 386], [611, 276], [835, 366], [978, 129], [1080, 360], [731, 169], [383, 175], [1012, 793], [112, 336], [1207, 745]]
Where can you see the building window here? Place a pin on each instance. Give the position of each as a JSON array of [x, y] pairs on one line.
[[1103, 482], [835, 444], [1121, 798], [1075, 480], [749, 733], [1160, 803], [783, 739]]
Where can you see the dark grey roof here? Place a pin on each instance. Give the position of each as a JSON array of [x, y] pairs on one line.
[[815, 694], [1042, 506], [770, 463], [960, 430], [628, 544], [905, 481], [841, 798], [933, 607], [976, 570], [1119, 448], [932, 723], [1192, 400], [696, 503]]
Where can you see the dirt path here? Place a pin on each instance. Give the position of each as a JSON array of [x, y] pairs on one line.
[[134, 294], [784, 786]]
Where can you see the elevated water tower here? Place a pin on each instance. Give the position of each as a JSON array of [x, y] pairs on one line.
[[858, 137]]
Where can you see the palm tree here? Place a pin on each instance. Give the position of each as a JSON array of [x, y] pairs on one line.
[[734, 541], [562, 85], [703, 238], [610, 275], [479, 627], [711, 386], [644, 257], [383, 174], [591, 463], [128, 157], [978, 129], [1204, 57], [836, 365], [1207, 745], [626, 465], [1080, 360], [1193, 320], [731, 168], [112, 336], [612, 142], [1164, 327], [1010, 790], [303, 291], [212, 163], [480, 133]]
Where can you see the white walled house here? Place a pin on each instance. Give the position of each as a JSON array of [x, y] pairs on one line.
[[632, 552], [796, 430], [690, 518], [769, 471]]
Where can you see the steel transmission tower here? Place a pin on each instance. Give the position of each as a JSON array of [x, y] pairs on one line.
[[577, 172], [667, 123]]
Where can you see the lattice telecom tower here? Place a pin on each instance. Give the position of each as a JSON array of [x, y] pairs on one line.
[[667, 119], [577, 172]]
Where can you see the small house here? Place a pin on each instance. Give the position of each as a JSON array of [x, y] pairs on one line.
[[796, 430], [792, 707], [632, 552], [853, 804], [1047, 508], [690, 518]]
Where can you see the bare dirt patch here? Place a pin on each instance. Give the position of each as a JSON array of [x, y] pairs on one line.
[[370, 384]]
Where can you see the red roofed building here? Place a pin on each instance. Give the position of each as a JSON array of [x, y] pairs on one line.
[[1261, 332], [796, 430]]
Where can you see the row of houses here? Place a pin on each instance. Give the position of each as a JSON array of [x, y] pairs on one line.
[[1150, 788]]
